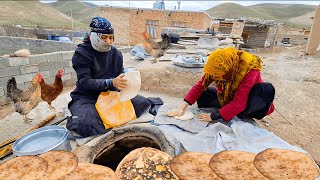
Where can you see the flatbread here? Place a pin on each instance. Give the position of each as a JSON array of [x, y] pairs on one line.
[[23, 167], [59, 163], [235, 165], [193, 166], [285, 164], [133, 88], [187, 115], [91, 171], [145, 163]]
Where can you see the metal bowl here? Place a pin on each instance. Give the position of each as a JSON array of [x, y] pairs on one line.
[[42, 140]]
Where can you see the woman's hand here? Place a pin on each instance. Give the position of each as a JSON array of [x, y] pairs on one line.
[[204, 117], [119, 82], [175, 112]]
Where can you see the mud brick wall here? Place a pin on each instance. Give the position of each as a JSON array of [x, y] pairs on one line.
[[254, 37], [130, 23], [8, 45], [25, 68]]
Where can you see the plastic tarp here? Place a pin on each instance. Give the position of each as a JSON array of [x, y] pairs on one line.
[[198, 136]]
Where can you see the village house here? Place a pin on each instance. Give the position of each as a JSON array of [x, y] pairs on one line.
[[254, 34], [129, 23]]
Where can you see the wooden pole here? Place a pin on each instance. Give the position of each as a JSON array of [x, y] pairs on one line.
[[314, 37]]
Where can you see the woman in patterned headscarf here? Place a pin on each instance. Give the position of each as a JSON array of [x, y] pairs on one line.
[[239, 90]]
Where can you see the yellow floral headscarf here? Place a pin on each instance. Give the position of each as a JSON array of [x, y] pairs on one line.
[[227, 68]]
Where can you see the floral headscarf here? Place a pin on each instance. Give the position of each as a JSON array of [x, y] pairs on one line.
[[227, 67]]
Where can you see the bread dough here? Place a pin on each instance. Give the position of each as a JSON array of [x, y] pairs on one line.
[[133, 88], [186, 116]]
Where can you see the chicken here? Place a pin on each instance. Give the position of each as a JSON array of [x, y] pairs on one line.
[[24, 101], [155, 49], [50, 92]]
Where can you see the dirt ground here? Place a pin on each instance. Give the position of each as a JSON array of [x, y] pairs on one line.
[[295, 77]]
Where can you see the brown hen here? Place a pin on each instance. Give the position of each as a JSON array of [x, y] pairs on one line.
[[49, 92], [24, 101], [155, 49]]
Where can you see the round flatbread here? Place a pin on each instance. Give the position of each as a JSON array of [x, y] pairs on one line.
[[235, 165], [91, 171], [193, 166], [285, 164], [134, 83], [59, 163], [186, 116], [145, 163], [23, 167]]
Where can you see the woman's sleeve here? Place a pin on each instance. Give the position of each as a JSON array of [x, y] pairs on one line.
[[239, 102], [81, 63], [195, 92]]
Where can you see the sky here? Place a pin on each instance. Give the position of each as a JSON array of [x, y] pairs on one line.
[[190, 5]]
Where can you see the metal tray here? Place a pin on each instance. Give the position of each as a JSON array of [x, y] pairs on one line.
[[42, 140], [189, 65]]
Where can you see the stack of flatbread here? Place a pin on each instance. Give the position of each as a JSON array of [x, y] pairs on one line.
[[53, 165], [229, 164], [145, 163]]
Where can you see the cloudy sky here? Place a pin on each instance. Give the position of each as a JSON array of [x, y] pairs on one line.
[[191, 5]]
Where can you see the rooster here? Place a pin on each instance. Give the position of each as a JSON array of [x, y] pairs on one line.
[[24, 101], [155, 49], [50, 92]]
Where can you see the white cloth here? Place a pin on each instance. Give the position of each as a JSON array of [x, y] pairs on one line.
[[98, 43]]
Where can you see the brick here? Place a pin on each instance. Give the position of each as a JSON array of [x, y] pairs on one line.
[[68, 70], [70, 63], [3, 100], [74, 75], [19, 61], [29, 69], [45, 74], [46, 66], [67, 55], [24, 78], [9, 71], [49, 80], [38, 59], [61, 64], [54, 57], [66, 77], [1, 91], [21, 86], [4, 62], [3, 81], [53, 72]]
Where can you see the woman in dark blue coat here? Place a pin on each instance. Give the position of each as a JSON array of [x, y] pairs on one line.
[[99, 68]]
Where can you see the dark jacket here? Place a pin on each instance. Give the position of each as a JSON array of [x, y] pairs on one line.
[[93, 68]]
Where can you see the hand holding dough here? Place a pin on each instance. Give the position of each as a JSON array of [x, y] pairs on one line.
[[186, 116], [134, 83], [175, 112]]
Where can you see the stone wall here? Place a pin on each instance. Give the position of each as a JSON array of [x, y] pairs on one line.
[[25, 68], [35, 32], [8, 45]]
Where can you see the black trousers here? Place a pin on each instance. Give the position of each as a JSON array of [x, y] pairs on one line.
[[86, 121], [259, 101]]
